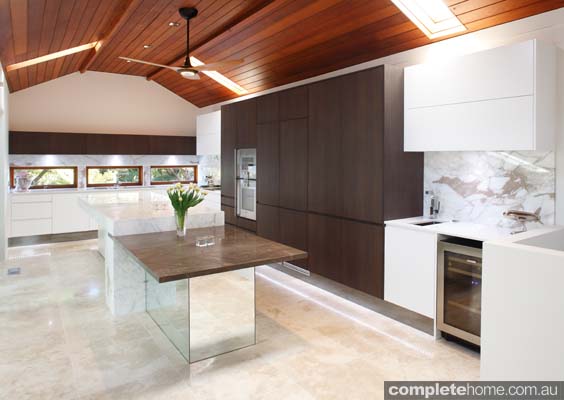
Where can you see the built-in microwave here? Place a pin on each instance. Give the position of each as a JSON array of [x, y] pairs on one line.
[[459, 294], [246, 183]]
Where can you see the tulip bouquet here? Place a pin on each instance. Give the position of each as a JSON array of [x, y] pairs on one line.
[[182, 198]]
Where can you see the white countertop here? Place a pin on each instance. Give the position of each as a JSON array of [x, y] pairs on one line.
[[467, 230]]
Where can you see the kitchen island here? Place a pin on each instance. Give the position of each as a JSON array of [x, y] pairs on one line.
[[202, 297], [134, 212]]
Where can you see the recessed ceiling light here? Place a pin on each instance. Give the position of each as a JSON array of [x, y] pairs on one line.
[[433, 17], [173, 24], [147, 46], [51, 56], [127, 61]]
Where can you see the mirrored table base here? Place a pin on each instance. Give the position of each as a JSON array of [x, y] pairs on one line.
[[205, 316]]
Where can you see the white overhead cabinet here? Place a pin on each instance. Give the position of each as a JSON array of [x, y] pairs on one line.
[[500, 99], [208, 134]]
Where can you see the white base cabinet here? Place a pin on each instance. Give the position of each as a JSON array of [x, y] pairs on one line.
[[44, 214], [411, 269], [500, 99], [68, 216]]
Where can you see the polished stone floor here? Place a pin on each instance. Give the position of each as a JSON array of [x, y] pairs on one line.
[[58, 341]]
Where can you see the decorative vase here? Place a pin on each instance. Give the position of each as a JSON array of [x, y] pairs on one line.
[[180, 218], [23, 183]]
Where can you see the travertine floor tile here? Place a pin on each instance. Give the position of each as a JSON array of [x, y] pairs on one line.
[[59, 341]]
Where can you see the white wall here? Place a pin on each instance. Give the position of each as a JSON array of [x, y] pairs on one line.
[[560, 142], [4, 179], [98, 102]]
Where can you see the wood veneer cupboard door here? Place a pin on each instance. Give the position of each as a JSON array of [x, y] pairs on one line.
[[294, 103], [228, 143], [267, 108], [324, 148], [362, 247], [324, 246], [247, 224], [47, 143], [293, 232], [268, 163], [268, 222], [361, 156], [403, 171], [293, 164], [229, 212], [246, 117]]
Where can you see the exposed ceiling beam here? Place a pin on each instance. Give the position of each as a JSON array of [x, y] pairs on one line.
[[125, 9], [180, 58]]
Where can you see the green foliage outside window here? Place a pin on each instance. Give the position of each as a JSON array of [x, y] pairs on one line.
[[184, 174]]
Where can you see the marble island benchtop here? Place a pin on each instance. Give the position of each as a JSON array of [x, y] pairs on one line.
[[124, 213], [168, 258]]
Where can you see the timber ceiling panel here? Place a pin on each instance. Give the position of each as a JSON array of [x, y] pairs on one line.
[[282, 41]]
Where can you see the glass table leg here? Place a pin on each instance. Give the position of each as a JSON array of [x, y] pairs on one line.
[[222, 313], [167, 305]]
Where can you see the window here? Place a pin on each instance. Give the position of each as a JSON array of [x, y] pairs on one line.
[[46, 177], [164, 175], [110, 176]]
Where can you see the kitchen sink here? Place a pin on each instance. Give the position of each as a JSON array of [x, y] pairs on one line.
[[427, 223]]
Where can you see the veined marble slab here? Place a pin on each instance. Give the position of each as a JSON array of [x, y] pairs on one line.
[[127, 213]]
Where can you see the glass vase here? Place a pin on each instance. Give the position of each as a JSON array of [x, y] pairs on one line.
[[180, 218]]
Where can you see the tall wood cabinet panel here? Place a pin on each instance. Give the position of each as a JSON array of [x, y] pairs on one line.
[[268, 161], [324, 246], [246, 117], [324, 148], [267, 108], [228, 145], [293, 231], [403, 171], [268, 222], [362, 247], [293, 164], [294, 103], [361, 150]]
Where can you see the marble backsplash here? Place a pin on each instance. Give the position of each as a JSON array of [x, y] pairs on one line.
[[480, 186], [208, 165]]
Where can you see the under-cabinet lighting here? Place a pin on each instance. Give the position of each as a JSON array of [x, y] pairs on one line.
[[51, 56], [216, 76], [433, 17]]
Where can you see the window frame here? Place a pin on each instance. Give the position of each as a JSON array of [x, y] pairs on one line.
[[173, 182], [94, 185], [74, 185]]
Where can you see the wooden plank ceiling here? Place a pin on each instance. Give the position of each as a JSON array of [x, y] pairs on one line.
[[281, 41]]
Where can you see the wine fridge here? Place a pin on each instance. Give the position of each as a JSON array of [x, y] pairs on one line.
[[459, 296]]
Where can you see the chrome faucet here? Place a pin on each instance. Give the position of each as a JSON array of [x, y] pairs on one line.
[[434, 207]]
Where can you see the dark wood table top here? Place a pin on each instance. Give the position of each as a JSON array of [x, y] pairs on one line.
[[169, 258]]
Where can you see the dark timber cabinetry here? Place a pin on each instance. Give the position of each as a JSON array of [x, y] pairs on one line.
[[331, 169]]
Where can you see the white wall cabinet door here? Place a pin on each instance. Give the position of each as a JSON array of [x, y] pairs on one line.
[[208, 132], [68, 216], [410, 265], [500, 99]]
